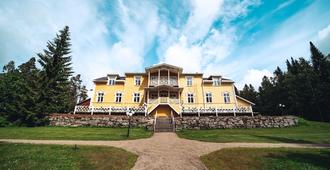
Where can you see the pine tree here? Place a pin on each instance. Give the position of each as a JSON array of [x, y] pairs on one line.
[[55, 73]]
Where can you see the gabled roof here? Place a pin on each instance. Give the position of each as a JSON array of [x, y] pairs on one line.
[[164, 65], [245, 100], [105, 79]]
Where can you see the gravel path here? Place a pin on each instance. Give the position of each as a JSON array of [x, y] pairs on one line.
[[166, 150]]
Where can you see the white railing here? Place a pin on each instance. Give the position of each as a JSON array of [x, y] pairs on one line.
[[163, 100], [109, 110], [163, 80], [216, 111]]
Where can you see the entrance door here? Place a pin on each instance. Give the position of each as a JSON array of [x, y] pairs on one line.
[[163, 111]]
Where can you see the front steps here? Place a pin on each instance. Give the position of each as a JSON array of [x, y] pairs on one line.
[[164, 124]]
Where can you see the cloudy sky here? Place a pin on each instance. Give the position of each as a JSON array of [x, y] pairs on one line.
[[242, 40]]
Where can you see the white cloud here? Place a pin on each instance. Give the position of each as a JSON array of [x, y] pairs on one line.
[[25, 27], [254, 77], [323, 41], [201, 19], [184, 55]]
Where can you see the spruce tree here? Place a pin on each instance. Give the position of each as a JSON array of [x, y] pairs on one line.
[[54, 77]]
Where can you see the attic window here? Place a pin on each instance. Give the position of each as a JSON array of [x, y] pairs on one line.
[[111, 80], [137, 81], [216, 81]]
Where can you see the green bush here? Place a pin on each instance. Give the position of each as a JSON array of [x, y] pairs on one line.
[[3, 122]]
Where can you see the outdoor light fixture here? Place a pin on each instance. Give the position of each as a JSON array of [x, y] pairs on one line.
[[129, 113]]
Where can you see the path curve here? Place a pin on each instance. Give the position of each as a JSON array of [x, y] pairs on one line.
[[167, 150]]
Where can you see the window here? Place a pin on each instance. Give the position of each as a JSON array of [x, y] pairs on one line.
[[111, 81], [136, 97], [118, 97], [100, 96], [226, 97], [189, 80], [208, 97], [216, 81], [190, 98], [137, 80]]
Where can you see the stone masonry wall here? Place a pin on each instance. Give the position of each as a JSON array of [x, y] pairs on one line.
[[78, 120], [186, 122], [213, 122]]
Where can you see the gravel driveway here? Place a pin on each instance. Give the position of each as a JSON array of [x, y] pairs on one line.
[[166, 150]]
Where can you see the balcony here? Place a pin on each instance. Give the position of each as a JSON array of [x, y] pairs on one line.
[[164, 100], [164, 80]]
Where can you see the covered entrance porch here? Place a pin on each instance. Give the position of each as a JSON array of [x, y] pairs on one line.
[[164, 110]]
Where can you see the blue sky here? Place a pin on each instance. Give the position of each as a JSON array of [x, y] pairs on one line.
[[242, 40]]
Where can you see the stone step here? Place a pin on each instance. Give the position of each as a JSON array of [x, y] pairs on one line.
[[164, 130], [164, 126]]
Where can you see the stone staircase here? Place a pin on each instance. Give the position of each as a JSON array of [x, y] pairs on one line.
[[164, 124]]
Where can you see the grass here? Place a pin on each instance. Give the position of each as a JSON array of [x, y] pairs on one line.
[[28, 156], [305, 132], [268, 158], [72, 133]]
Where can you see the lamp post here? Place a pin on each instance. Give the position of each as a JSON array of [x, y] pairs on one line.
[[129, 113], [281, 106]]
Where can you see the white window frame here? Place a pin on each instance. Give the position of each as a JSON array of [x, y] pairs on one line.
[[100, 97], [190, 98], [226, 97], [111, 80], [208, 97], [136, 97], [189, 80], [216, 81], [118, 98], [137, 80]]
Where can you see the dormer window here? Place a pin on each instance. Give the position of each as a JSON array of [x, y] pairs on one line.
[[111, 80], [137, 80], [189, 80], [216, 81]]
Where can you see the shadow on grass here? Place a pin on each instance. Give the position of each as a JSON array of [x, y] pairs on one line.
[[284, 140], [320, 159]]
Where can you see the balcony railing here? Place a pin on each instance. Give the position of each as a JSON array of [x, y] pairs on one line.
[[164, 100], [163, 80]]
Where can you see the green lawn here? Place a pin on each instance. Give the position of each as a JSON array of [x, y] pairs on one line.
[[72, 133], [268, 158], [27, 156], [305, 132]]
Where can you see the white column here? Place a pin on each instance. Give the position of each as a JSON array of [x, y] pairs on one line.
[[148, 78], [178, 79], [92, 112], [75, 109], [234, 111], [199, 114], [168, 76], [147, 96], [110, 110], [216, 112], [251, 111], [158, 76]]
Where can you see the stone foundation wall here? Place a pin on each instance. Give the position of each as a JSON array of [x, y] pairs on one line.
[[186, 122], [100, 120], [213, 122]]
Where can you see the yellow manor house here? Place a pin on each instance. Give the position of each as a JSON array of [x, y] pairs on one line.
[[164, 90]]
